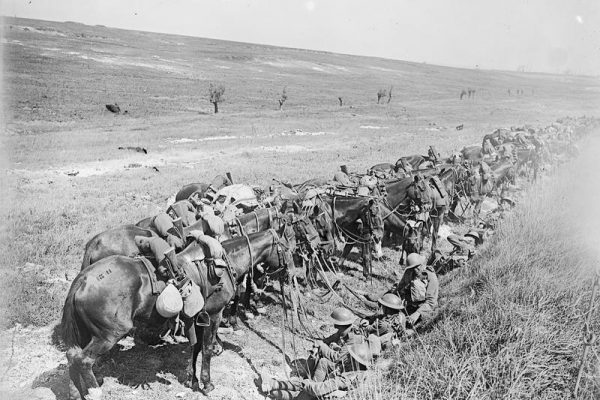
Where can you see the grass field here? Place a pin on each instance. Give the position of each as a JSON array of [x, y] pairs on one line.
[[59, 76]]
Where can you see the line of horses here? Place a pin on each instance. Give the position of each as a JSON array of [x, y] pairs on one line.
[[116, 290]]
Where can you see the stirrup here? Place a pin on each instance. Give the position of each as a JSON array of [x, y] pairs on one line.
[[203, 319]]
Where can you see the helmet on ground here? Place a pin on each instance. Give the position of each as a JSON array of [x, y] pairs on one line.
[[361, 353], [343, 316], [414, 260], [475, 235], [392, 301]]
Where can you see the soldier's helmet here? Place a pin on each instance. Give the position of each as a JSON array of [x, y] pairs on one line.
[[392, 301], [343, 316], [414, 260], [475, 235], [361, 353]]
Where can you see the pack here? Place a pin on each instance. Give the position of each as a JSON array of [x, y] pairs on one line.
[[437, 182]]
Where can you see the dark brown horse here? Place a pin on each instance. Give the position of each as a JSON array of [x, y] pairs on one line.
[[116, 241], [111, 297], [187, 190], [411, 197], [358, 219]]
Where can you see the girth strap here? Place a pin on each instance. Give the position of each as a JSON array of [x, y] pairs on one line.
[[156, 285]]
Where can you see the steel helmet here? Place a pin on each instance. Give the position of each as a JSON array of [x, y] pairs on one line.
[[361, 353], [414, 260], [475, 235], [392, 301], [343, 316]]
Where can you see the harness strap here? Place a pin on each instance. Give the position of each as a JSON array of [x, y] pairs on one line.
[[256, 218], [156, 285]]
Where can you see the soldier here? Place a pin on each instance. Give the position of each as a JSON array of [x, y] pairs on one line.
[[346, 332], [389, 322], [339, 378], [419, 288], [465, 244]]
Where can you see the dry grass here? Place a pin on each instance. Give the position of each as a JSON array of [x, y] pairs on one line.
[[510, 325]]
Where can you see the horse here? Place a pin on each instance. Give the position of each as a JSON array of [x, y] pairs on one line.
[[115, 295], [357, 218], [116, 241], [415, 161], [474, 154], [388, 169], [187, 190], [411, 234], [404, 194]]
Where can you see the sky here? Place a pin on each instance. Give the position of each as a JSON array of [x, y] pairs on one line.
[[554, 36]]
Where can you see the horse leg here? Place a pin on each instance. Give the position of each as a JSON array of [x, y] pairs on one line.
[[437, 222], [76, 386], [81, 362], [367, 263], [209, 336], [347, 249], [194, 332]]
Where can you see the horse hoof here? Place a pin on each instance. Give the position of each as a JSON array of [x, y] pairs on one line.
[[195, 387], [208, 387]]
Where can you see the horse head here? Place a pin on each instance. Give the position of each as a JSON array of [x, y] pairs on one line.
[[283, 247]]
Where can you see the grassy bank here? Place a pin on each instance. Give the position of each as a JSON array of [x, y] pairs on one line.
[[510, 325]]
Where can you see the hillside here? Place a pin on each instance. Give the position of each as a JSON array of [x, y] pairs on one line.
[[64, 179], [59, 76]]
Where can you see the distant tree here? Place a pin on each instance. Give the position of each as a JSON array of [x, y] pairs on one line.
[[390, 95], [381, 93], [282, 98], [463, 93], [216, 93], [340, 100], [509, 92]]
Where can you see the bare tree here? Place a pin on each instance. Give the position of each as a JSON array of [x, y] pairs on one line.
[[282, 98], [463, 94], [381, 93], [340, 100], [390, 95], [216, 93]]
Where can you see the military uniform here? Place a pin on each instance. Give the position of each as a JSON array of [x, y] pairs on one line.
[[328, 378], [382, 324], [420, 291]]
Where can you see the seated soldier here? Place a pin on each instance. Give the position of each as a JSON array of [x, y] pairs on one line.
[[346, 332], [419, 288], [465, 244], [389, 322], [339, 377]]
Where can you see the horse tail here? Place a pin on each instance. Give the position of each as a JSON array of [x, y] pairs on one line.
[[71, 332]]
